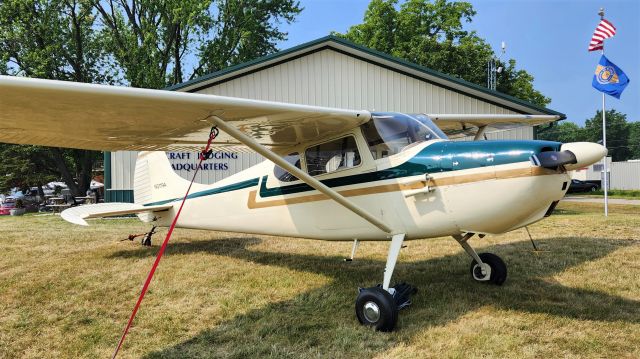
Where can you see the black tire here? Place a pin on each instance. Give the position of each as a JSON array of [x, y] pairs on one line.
[[385, 304], [498, 268], [594, 188]]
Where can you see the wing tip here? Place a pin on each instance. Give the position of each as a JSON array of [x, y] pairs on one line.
[[71, 217]]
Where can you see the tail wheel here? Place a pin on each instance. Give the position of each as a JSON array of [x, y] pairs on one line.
[[375, 307], [498, 269]]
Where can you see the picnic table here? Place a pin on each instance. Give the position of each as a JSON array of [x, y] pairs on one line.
[[58, 208], [57, 204], [86, 199]]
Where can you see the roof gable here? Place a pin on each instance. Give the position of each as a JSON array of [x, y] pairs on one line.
[[369, 55]]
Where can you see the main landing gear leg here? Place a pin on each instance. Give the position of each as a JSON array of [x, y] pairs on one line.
[[485, 267], [353, 251], [378, 306]]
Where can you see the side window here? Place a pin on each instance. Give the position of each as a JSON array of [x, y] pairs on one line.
[[332, 156], [284, 176]]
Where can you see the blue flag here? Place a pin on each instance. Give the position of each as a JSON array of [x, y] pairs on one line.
[[609, 78]]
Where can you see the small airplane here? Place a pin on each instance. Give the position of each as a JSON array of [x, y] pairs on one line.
[[330, 174]]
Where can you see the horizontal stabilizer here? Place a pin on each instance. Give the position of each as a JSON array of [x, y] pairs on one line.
[[77, 215]]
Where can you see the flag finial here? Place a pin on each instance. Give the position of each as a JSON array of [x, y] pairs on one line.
[[601, 13]]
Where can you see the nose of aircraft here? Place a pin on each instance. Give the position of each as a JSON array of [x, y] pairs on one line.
[[586, 153]]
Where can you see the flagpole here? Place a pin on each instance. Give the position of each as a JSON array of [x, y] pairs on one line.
[[604, 140], [604, 143]]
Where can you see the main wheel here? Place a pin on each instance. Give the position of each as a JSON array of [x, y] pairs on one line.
[[498, 269], [375, 307]]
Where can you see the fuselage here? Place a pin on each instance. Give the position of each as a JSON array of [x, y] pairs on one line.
[[434, 188]]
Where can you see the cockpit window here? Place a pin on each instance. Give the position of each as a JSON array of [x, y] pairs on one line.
[[284, 176], [389, 134], [332, 156]]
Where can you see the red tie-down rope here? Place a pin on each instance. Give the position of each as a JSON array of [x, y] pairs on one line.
[[206, 153]]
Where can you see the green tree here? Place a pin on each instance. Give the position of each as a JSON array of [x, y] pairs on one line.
[[19, 164], [432, 34], [618, 131], [623, 138], [142, 43], [634, 140], [54, 39], [152, 41], [562, 132]]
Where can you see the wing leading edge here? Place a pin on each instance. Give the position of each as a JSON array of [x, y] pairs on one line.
[[99, 117], [457, 125]]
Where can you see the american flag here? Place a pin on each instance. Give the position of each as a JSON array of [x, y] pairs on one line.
[[604, 30]]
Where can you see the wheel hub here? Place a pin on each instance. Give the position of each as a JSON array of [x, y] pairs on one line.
[[371, 312], [482, 272]]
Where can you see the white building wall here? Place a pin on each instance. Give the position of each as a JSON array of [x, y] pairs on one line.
[[625, 175], [622, 175], [123, 164], [332, 79]]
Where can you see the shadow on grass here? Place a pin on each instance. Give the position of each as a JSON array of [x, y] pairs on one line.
[[567, 211], [322, 320]]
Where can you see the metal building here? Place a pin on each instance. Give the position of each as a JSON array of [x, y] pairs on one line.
[[329, 72], [623, 175]]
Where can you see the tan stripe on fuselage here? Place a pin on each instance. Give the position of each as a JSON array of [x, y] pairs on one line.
[[395, 187]]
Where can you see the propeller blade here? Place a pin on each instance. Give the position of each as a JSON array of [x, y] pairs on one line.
[[552, 159]]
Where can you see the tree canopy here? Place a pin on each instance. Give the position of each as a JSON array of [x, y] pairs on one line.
[[432, 34], [162, 43], [141, 43], [623, 138]]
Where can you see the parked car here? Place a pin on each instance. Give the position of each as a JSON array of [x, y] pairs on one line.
[[582, 186], [7, 205]]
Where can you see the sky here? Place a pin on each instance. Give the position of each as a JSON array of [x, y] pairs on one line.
[[547, 38]]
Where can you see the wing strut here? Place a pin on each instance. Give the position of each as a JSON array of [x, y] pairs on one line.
[[306, 178], [480, 132]]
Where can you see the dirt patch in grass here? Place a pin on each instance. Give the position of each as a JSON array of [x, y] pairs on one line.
[[67, 291]]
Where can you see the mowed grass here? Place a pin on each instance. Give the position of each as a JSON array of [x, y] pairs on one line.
[[613, 193], [67, 291]]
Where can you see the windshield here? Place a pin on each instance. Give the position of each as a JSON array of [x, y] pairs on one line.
[[391, 133]]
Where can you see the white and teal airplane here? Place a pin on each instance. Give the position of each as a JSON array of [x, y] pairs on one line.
[[331, 174]]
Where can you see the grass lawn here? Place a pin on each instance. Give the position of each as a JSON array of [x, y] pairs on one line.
[[614, 193], [67, 291]]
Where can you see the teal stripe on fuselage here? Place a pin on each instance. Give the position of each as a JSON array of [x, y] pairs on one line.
[[446, 156], [232, 187], [438, 157]]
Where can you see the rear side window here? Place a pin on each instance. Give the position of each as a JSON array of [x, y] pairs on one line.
[[284, 176], [332, 156]]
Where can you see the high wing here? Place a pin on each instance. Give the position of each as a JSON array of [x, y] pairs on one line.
[[458, 125], [98, 117]]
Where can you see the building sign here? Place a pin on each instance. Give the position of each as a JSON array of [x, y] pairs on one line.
[[188, 161], [218, 165]]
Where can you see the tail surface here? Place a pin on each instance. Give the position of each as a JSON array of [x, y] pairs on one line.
[[155, 182]]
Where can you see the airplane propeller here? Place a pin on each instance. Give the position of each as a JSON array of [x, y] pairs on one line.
[[553, 159]]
